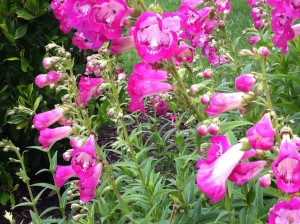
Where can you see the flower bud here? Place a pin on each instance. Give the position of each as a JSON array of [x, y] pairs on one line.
[[50, 61], [207, 74], [213, 129], [245, 82], [263, 51], [205, 99], [245, 52], [254, 39], [121, 76], [265, 180], [111, 112], [202, 130], [196, 88]]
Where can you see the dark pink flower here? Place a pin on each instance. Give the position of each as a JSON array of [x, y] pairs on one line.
[[53, 76], [202, 130], [246, 171], [261, 135], [88, 88], [88, 186], [151, 40], [62, 174], [285, 212], [223, 5], [49, 136], [44, 120], [122, 44], [222, 102], [286, 167], [145, 82], [211, 178], [184, 53], [254, 39], [245, 82], [161, 105], [213, 129], [175, 22], [84, 159]]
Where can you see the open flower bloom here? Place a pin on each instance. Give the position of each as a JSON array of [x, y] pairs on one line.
[[211, 178], [285, 212], [261, 135], [223, 5], [245, 172], [44, 120], [88, 186], [245, 82], [49, 136], [286, 167], [62, 174], [219, 146], [84, 159], [222, 102], [151, 40], [145, 82]]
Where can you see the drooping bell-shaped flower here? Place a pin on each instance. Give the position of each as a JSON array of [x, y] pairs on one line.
[[49, 136], [245, 82], [222, 102], [144, 82], [85, 158], [151, 40], [44, 120], [245, 172], [107, 17], [87, 186], [62, 174], [285, 212], [211, 178], [286, 167], [261, 135]]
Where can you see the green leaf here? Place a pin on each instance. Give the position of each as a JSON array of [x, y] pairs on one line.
[[17, 119], [24, 14], [227, 126], [248, 215], [37, 103], [45, 185], [22, 204], [21, 31], [12, 59]]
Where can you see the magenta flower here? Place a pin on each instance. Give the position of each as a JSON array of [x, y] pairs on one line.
[[62, 174], [151, 40], [49, 136], [107, 17], [145, 82], [84, 159], [51, 77], [161, 105], [223, 5], [254, 39], [184, 53], [286, 167], [285, 212], [211, 178], [245, 172], [122, 44], [265, 180], [222, 102], [245, 82], [88, 186], [88, 88], [176, 22], [202, 130], [261, 135], [44, 120], [41, 80]]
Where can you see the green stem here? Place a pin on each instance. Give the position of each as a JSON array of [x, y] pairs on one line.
[[26, 181], [229, 209], [182, 89], [265, 84]]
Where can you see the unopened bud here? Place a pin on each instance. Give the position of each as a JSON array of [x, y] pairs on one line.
[[76, 218], [245, 52], [75, 206], [155, 8], [120, 115], [205, 99], [265, 181], [202, 130], [263, 51], [207, 74], [213, 129], [196, 88], [111, 112], [50, 61]]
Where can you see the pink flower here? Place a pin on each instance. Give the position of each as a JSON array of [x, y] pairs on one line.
[[285, 212], [286, 167], [76, 142], [205, 99], [263, 51], [88, 88], [222, 102], [62, 174], [265, 180], [213, 129], [207, 74], [49, 136], [122, 44], [211, 178], [261, 135], [223, 5], [108, 17], [44, 120], [202, 130], [244, 83], [184, 53], [41, 80], [145, 82], [245, 172], [175, 22], [84, 159], [50, 61], [254, 39], [88, 186], [53, 76], [151, 41], [161, 105]]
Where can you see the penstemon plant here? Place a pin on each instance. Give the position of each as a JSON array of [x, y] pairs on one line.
[[183, 112]]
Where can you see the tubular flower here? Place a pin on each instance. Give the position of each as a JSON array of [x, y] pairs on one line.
[[145, 82], [261, 135], [286, 167], [151, 40], [87, 186], [122, 44], [84, 159], [62, 174], [88, 88], [285, 212], [245, 82], [211, 178], [49, 136], [44, 120], [222, 102]]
